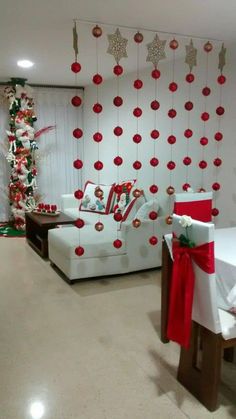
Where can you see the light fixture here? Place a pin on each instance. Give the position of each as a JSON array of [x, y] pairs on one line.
[[37, 410], [25, 63]]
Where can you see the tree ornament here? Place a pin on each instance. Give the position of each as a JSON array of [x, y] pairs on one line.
[[118, 101], [153, 240], [153, 189], [117, 216], [98, 192], [187, 161], [97, 137], [77, 133], [138, 84], [118, 131], [154, 162], [156, 74], [117, 243], [155, 134], [204, 141], [78, 194], [171, 165], [172, 113], [155, 105], [97, 79], [118, 161], [137, 138], [118, 70], [136, 223], [189, 78], [222, 58], [171, 139], [98, 165], [170, 190], [168, 220], [206, 91], [153, 215], [188, 133], [188, 106], [221, 79], [117, 46], [215, 212], [220, 110], [186, 186], [99, 226], [205, 116], [118, 189], [216, 186], [79, 223], [97, 31], [97, 108], [173, 86], [137, 193], [173, 44], [191, 55], [137, 112], [218, 136], [203, 164], [79, 251], [156, 50], [137, 165], [78, 164], [208, 46], [138, 37], [75, 67], [217, 162], [76, 101]]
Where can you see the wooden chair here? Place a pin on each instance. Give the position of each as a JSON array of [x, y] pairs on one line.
[[196, 205], [213, 329]]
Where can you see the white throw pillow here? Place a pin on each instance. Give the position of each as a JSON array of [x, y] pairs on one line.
[[146, 208]]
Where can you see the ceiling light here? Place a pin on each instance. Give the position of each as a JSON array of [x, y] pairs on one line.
[[37, 410], [25, 63]]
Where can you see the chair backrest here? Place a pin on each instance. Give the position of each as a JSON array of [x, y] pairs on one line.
[[205, 311], [196, 205]]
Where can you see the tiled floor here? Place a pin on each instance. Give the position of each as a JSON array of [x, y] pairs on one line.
[[88, 351]]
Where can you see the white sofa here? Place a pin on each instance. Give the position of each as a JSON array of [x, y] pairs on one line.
[[101, 257]]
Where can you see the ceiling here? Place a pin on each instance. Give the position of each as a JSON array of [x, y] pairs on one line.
[[42, 31]]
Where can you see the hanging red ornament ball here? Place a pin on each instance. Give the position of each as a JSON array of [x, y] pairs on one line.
[[154, 162], [118, 131], [153, 240], [78, 194], [79, 223], [98, 192], [186, 186], [155, 105], [137, 193], [136, 223], [173, 87], [79, 251], [77, 133], [118, 189], [137, 165], [137, 112], [170, 190], [118, 101], [153, 215], [97, 108], [118, 70], [173, 44], [202, 164], [187, 161], [117, 243], [189, 78], [204, 141], [156, 74], [171, 165], [155, 134], [206, 91], [208, 46], [138, 84], [137, 138], [97, 31], [217, 162], [98, 165], [153, 189], [221, 79], [220, 110], [138, 37], [97, 137], [75, 67], [188, 133], [216, 186], [78, 164], [205, 116], [99, 226], [201, 190], [172, 113], [168, 220], [188, 106], [118, 161], [118, 216], [215, 212], [97, 79], [76, 101], [171, 139], [218, 136]]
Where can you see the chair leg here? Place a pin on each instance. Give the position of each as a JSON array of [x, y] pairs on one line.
[[165, 290], [203, 383]]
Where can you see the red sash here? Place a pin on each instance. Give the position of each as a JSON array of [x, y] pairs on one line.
[[182, 288]]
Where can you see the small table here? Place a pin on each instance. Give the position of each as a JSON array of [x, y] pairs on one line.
[[37, 226]]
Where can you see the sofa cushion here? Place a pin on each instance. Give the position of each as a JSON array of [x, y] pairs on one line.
[[124, 195], [92, 203]]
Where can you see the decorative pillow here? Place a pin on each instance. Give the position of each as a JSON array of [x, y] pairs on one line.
[[123, 196], [100, 204], [146, 208]]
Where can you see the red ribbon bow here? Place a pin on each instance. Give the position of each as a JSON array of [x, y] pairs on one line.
[[182, 288]]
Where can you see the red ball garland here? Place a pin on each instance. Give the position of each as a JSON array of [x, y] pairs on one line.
[[118, 189], [171, 139], [118, 70], [189, 78], [206, 91], [215, 212], [154, 162], [172, 113], [76, 101], [118, 101], [173, 87], [118, 216], [156, 74], [78, 194], [97, 136], [220, 110], [79, 251], [97, 31], [204, 141], [97, 108], [153, 215], [137, 112], [97, 79], [202, 164], [216, 186], [188, 106], [153, 240], [208, 46], [117, 243], [153, 189], [186, 186], [137, 165], [173, 44], [118, 131], [218, 136], [187, 161], [155, 105], [138, 84], [118, 161], [79, 223], [75, 67], [217, 162], [205, 116], [155, 134], [138, 37], [188, 133], [170, 190], [98, 165], [137, 138], [78, 164], [221, 79], [171, 165], [77, 133]]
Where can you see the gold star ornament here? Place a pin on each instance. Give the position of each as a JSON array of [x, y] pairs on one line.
[[191, 55], [222, 58], [156, 51], [117, 46]]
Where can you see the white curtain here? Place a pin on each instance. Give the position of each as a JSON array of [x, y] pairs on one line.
[[57, 149]]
